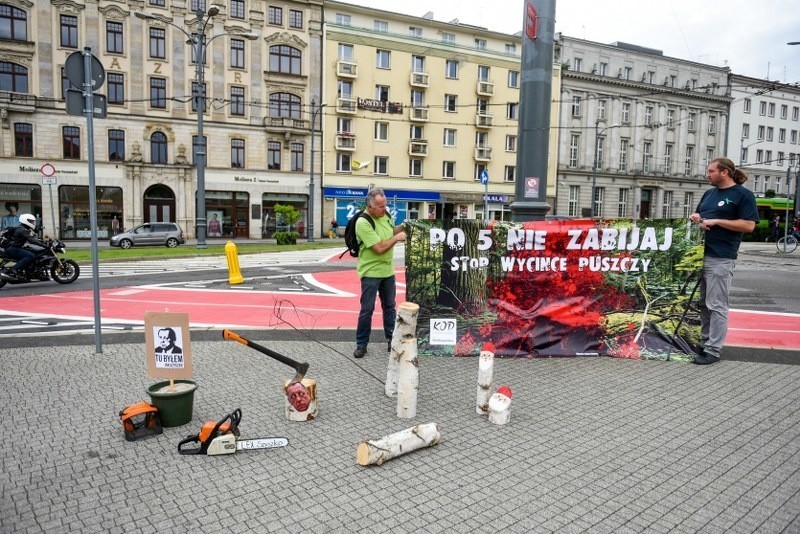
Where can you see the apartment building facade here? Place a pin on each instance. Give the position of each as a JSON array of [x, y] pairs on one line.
[[765, 140], [651, 123], [422, 109], [262, 67]]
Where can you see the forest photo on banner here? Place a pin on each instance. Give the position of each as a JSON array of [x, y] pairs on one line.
[[620, 288]]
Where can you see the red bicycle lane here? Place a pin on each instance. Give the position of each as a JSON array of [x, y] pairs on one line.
[[335, 308]]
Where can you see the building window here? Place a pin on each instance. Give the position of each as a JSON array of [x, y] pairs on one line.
[[284, 59], [743, 157], [771, 111], [295, 19], [380, 26], [13, 23], [274, 155], [158, 43], [276, 15], [284, 105], [712, 124], [417, 98], [382, 93], [573, 206], [418, 63], [344, 163], [688, 204], [451, 69], [577, 64], [628, 73], [415, 167], [345, 52], [480, 44], [760, 135], [689, 161], [599, 195], [574, 142], [782, 135], [237, 101], [513, 78], [647, 157], [159, 3], [237, 9], [158, 93], [795, 112], [237, 153], [576, 106], [298, 156], [23, 140], [603, 69], [450, 103], [670, 118], [668, 149], [784, 111], [382, 59], [449, 170], [512, 111], [415, 31], [510, 173], [762, 108], [197, 96], [381, 131], [342, 20], [158, 148], [116, 88], [648, 115], [415, 133], [511, 143], [622, 203], [768, 159], [626, 112], [449, 137], [624, 145], [759, 156], [793, 137], [690, 122], [381, 165], [197, 5], [237, 53], [746, 105], [448, 37], [666, 206], [745, 131], [483, 73], [780, 159], [116, 145], [601, 110], [69, 31], [511, 48], [479, 168], [770, 132], [114, 38], [600, 148]]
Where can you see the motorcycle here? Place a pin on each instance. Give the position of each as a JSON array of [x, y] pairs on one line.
[[45, 264]]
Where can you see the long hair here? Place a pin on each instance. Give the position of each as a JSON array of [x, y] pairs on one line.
[[738, 175]]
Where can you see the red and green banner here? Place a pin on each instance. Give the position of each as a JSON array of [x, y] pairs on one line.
[[620, 288]]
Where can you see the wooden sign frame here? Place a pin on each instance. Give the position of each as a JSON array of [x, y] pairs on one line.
[[169, 347]]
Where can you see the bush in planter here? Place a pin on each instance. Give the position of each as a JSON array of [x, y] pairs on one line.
[[289, 216]]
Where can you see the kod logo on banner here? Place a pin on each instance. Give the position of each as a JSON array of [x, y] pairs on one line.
[[443, 331]]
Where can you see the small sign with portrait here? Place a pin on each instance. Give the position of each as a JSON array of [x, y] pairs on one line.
[[169, 350]]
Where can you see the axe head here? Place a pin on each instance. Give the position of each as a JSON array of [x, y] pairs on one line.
[[302, 369]]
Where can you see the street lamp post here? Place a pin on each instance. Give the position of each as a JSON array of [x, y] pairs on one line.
[[597, 133], [199, 47], [314, 111]]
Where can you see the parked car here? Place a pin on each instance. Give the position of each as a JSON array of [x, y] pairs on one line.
[[164, 234]]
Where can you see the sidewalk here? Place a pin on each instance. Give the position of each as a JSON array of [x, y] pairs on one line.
[[593, 445]]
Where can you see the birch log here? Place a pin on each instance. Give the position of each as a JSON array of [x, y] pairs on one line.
[[405, 345], [400, 334], [377, 451], [500, 406], [485, 374]]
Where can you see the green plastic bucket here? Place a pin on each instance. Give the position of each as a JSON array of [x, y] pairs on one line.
[[174, 407]]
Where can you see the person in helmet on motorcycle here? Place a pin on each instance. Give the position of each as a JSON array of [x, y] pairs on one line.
[[22, 234]]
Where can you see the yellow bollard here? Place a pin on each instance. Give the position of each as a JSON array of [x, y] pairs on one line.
[[234, 274]]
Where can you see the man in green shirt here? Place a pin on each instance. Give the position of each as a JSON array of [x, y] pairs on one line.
[[376, 268]]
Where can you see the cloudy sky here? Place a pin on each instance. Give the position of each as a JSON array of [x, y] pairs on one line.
[[750, 37]]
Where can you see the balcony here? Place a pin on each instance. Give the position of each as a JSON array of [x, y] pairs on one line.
[[345, 141], [346, 105], [346, 69], [419, 79], [482, 120], [418, 114], [286, 125], [20, 102], [485, 88], [418, 147], [483, 153]]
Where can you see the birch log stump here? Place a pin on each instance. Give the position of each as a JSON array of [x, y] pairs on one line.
[[377, 451], [485, 374], [404, 348], [500, 406]]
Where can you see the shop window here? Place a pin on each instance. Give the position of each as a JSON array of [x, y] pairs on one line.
[[74, 211]]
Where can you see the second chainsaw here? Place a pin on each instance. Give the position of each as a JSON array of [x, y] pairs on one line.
[[222, 437]]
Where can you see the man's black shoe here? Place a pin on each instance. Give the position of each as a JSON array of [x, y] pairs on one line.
[[9, 275], [705, 359], [360, 352], [389, 345]]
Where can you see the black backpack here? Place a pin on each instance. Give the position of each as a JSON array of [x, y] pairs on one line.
[[350, 240]]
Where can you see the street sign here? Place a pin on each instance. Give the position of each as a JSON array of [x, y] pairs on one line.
[[484, 177], [47, 169], [76, 102], [49, 180], [75, 72]]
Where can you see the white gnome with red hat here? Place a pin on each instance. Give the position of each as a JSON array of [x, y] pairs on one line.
[[500, 406]]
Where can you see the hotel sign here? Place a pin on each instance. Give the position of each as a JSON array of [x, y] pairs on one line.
[[379, 105]]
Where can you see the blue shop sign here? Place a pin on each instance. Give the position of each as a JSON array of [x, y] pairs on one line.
[[497, 199], [347, 192]]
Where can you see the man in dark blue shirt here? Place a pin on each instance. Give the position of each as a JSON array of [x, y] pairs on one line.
[[725, 212]]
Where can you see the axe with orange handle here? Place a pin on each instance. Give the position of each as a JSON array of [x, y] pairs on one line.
[[300, 368]]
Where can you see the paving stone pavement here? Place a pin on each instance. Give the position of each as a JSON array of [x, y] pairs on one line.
[[593, 445]]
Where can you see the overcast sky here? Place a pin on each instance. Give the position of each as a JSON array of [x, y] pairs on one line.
[[750, 37]]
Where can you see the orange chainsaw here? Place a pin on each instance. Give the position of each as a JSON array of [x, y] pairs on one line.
[[222, 437]]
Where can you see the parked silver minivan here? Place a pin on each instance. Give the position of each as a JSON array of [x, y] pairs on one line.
[[163, 234]]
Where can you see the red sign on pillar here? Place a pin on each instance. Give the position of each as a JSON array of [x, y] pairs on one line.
[[531, 22]]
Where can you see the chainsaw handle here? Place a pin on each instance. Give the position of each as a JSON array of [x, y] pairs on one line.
[[190, 439]]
